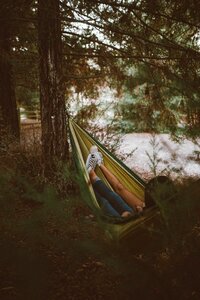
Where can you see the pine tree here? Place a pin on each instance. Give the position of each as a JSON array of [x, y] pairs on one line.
[[8, 105], [53, 113]]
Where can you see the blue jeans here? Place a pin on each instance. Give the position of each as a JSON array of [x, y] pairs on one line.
[[110, 202], [106, 207]]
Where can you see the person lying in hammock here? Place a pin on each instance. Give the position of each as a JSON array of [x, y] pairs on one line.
[[119, 203]]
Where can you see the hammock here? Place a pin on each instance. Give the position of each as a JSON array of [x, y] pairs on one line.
[[116, 228]]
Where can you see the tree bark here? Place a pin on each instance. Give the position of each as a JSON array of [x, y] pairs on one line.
[[8, 106], [52, 101]]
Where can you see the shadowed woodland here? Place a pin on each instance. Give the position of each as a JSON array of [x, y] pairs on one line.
[[136, 66]]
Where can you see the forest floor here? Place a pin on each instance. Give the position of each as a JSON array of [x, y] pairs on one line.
[[52, 246], [53, 249]]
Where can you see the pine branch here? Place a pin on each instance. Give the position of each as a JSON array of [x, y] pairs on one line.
[[83, 77], [140, 39], [94, 40], [159, 33], [134, 6], [125, 56]]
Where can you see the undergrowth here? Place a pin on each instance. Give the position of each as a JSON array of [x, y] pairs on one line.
[[53, 248]]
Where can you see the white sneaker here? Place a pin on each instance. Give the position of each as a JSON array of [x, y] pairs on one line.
[[99, 157], [93, 149], [91, 162]]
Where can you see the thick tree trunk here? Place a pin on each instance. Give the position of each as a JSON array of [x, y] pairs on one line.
[[53, 112], [8, 106]]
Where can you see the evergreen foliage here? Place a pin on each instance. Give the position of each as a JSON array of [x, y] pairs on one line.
[[146, 46]]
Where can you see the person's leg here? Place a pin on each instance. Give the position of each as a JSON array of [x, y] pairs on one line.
[[126, 195], [93, 176], [113, 198], [106, 206]]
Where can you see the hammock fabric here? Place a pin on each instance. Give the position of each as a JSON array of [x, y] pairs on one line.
[[81, 142]]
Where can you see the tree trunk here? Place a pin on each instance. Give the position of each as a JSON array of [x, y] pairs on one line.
[[8, 106], [52, 101]]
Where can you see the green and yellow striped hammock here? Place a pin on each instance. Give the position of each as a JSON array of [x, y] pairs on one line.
[[81, 142]]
